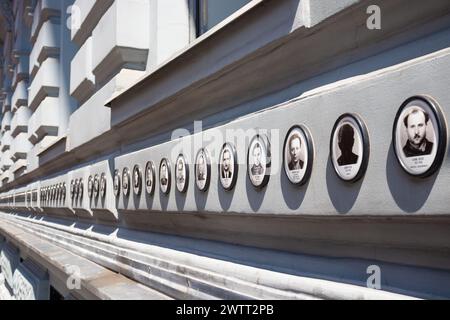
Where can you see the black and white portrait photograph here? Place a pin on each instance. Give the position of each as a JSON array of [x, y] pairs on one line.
[[90, 186], [420, 139], [349, 147], [164, 176], [96, 186], [258, 161], [103, 185], [126, 181], [419, 136], [76, 189], [72, 190], [202, 170], [80, 189], [64, 192], [228, 166], [116, 183], [137, 180], [297, 154], [150, 177], [181, 174]]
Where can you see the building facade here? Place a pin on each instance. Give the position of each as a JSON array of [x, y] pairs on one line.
[[194, 149]]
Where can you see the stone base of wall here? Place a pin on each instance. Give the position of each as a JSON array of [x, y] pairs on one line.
[[155, 266], [30, 264]]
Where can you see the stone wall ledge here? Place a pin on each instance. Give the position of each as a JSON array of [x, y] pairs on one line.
[[97, 282], [196, 269]]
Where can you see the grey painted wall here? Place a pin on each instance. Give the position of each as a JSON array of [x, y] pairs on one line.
[[376, 96]]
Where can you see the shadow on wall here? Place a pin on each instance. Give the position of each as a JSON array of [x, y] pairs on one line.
[[180, 199], [200, 198], [163, 200], [293, 195], [255, 197], [225, 197], [343, 194], [409, 195]]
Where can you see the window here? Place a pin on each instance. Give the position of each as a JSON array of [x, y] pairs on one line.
[[211, 12]]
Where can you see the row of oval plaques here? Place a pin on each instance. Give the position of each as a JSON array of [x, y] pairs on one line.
[[419, 138]]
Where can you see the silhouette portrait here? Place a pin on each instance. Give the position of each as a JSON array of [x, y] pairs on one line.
[[346, 141]]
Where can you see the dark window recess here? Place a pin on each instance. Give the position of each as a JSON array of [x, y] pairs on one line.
[[211, 12], [55, 295]]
